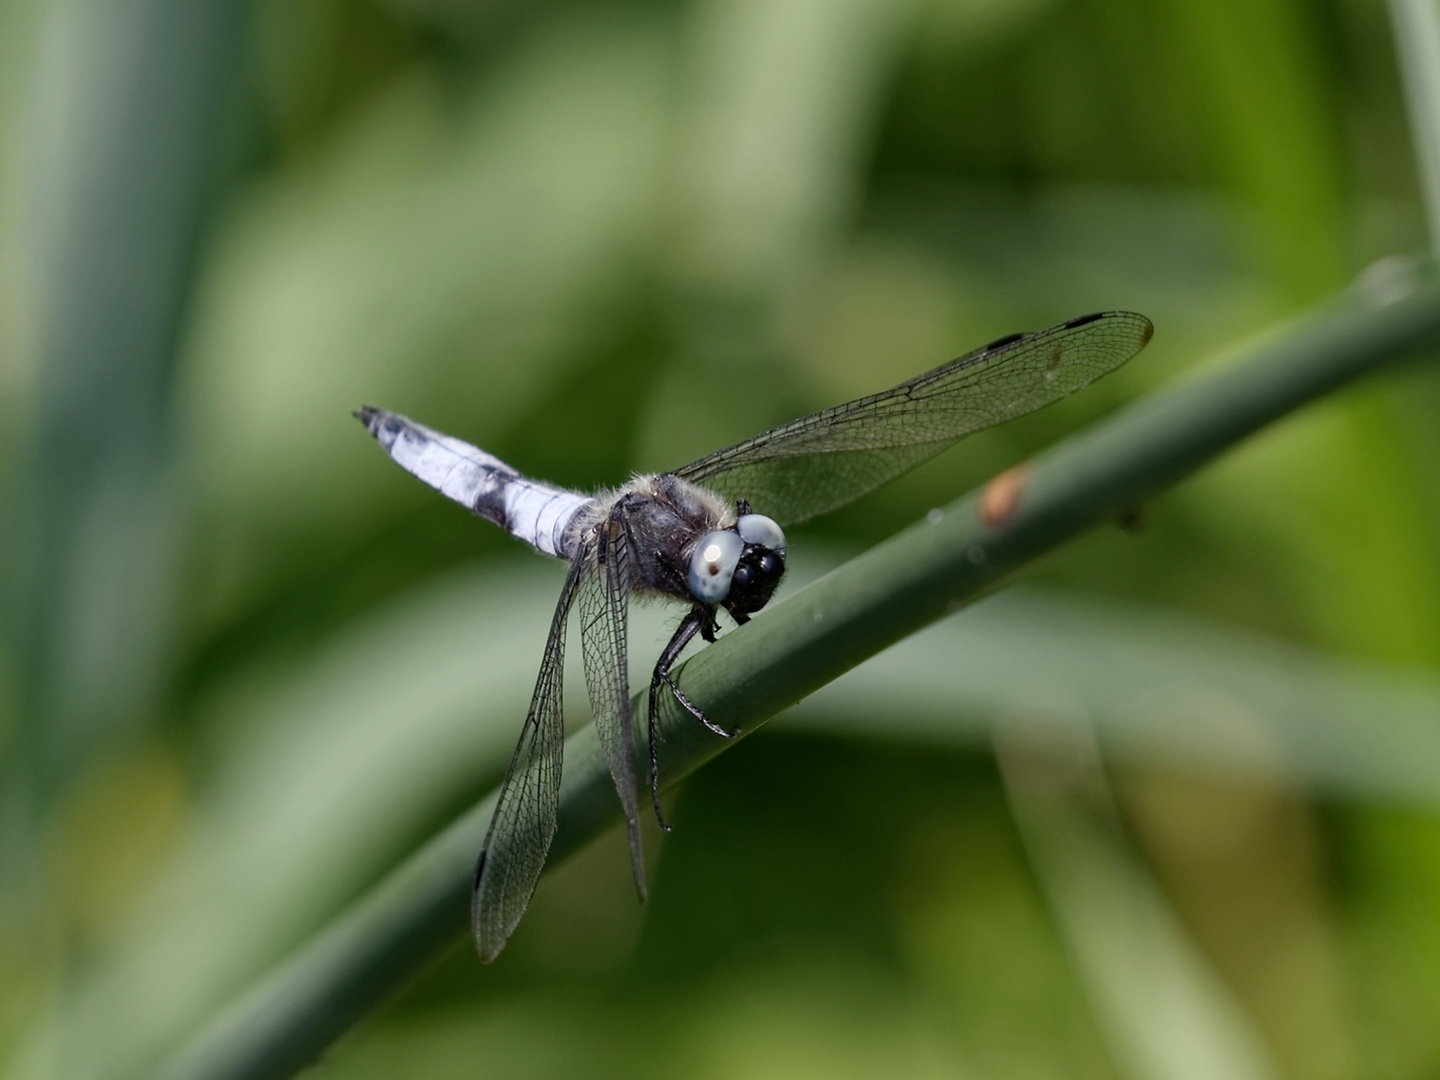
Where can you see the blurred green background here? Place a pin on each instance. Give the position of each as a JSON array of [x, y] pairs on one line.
[[1167, 810]]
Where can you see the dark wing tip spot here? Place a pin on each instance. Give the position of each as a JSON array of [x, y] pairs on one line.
[[1147, 333], [1001, 342], [1081, 320]]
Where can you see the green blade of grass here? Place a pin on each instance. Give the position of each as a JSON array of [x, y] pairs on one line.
[[1416, 25], [1164, 1011], [923, 573]]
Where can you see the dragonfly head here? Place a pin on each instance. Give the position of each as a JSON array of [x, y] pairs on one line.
[[739, 568]]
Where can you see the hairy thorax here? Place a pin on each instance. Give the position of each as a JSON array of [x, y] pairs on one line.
[[664, 517]]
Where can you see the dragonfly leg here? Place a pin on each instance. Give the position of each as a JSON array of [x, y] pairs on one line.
[[703, 620], [697, 621], [692, 710]]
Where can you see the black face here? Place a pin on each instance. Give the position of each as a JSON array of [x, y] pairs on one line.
[[756, 576]]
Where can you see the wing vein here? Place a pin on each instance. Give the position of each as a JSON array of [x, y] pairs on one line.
[[819, 462]]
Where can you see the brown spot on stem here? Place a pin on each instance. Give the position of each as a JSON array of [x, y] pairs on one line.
[[1001, 495]]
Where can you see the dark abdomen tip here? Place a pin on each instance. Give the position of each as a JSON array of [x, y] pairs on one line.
[[371, 417]]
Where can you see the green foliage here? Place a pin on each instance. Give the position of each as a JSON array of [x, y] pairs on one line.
[[1179, 794]]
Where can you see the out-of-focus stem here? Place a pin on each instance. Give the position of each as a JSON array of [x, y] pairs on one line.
[[1417, 42]]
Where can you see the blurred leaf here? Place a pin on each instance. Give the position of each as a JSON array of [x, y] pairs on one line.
[[326, 775], [449, 261], [780, 104], [123, 154], [1335, 503], [1258, 65], [1417, 43], [1158, 687], [594, 236], [1166, 1014], [1390, 871], [321, 785], [1244, 863]]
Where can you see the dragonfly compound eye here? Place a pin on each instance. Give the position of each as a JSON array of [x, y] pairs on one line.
[[712, 566], [761, 530], [754, 580]]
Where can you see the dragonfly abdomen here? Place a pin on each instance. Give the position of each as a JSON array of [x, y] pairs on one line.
[[536, 513]]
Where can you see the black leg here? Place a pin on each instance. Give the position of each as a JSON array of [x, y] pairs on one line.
[[683, 633], [692, 710], [697, 621]]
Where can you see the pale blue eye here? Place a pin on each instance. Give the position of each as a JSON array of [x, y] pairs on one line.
[[759, 529], [713, 565]]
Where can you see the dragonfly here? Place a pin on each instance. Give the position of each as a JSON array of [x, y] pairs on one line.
[[710, 535]]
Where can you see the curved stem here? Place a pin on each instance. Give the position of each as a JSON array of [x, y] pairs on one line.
[[790, 650]]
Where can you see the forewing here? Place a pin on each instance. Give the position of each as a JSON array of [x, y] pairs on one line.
[[604, 605], [524, 821], [822, 461]]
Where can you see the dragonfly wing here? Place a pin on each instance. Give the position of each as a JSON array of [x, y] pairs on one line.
[[524, 821], [820, 462], [604, 607]]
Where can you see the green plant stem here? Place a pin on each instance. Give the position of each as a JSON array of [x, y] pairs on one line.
[[918, 576]]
